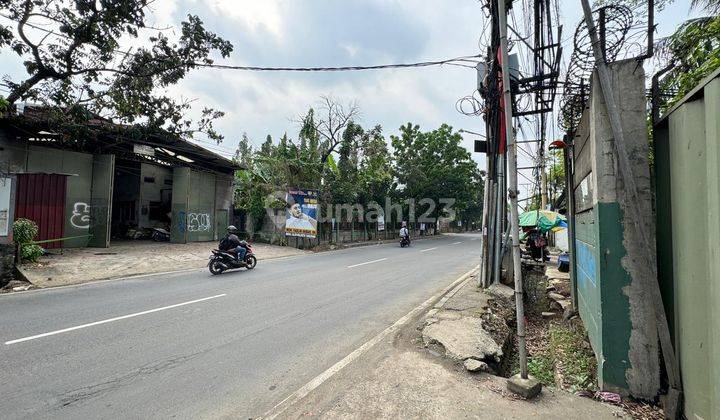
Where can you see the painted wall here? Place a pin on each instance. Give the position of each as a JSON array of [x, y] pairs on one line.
[[687, 159], [610, 267], [201, 207], [201, 203], [78, 193]]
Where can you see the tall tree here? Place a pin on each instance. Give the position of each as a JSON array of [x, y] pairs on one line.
[[433, 165], [74, 56]]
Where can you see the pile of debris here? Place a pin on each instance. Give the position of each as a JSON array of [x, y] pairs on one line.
[[471, 328], [558, 294]]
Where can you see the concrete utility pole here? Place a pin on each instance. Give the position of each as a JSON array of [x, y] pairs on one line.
[[543, 183], [672, 405], [520, 384]]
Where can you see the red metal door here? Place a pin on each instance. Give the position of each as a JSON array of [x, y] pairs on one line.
[[41, 198]]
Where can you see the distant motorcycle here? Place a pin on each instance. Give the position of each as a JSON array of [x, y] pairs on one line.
[[404, 241], [225, 260]]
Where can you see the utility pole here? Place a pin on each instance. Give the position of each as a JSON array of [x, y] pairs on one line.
[[521, 384]]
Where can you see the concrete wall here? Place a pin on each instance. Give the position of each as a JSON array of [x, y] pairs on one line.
[[610, 268], [103, 175], [687, 161], [79, 187], [197, 199]]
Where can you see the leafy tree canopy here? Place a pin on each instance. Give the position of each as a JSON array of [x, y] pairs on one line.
[[103, 56]]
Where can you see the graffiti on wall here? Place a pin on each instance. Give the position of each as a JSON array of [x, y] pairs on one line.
[[80, 216], [198, 222]]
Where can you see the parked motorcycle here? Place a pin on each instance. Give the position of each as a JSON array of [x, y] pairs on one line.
[[225, 260], [160, 235], [404, 241]]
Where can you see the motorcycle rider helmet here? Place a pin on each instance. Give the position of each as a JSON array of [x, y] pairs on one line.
[[232, 229], [404, 224]]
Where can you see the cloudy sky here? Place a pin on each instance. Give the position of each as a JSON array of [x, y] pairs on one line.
[[340, 33]]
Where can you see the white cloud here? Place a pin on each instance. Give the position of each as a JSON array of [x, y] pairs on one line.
[[256, 15]]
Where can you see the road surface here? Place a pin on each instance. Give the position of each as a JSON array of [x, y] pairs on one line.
[[192, 345]]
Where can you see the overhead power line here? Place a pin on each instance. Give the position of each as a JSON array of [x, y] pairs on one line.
[[457, 61], [469, 61]]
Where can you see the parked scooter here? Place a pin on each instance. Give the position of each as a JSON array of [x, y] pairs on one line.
[[160, 235], [225, 260]]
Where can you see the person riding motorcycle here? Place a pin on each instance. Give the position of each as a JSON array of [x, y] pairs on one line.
[[404, 232], [232, 242]]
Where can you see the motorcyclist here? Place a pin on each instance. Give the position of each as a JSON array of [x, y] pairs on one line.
[[232, 242], [404, 232]]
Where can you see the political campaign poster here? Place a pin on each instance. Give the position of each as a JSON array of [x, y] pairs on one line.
[[301, 216]]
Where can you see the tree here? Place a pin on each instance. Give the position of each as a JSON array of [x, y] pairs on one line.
[[244, 152], [694, 52], [433, 165], [556, 175], [332, 122], [74, 59]]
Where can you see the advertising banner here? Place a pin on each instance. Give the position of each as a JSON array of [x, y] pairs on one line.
[[301, 216]]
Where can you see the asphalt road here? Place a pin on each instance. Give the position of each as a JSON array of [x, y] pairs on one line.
[[192, 345]]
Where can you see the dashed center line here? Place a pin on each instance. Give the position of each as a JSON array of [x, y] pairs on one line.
[[455, 243], [367, 262], [105, 321], [428, 249]]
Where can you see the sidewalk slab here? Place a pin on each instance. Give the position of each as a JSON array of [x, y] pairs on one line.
[[393, 383], [130, 258]]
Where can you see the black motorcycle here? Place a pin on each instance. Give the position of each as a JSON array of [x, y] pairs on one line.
[[225, 260], [404, 241]]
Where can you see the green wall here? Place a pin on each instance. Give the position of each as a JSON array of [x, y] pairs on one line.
[[103, 175], [688, 202], [201, 207], [194, 206]]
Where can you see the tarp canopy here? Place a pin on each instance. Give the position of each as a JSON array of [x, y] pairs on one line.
[[544, 220]]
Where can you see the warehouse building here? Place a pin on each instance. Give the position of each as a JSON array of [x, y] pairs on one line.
[[88, 185]]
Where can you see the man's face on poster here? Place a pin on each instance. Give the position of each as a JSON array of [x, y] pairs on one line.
[[296, 211]]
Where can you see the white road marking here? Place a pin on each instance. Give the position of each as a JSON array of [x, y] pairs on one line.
[[455, 243], [105, 321], [367, 262], [428, 249], [318, 380]]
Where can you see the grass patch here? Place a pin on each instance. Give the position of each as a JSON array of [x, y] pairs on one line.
[[574, 360], [541, 367]]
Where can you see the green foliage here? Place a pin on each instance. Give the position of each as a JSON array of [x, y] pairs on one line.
[[360, 170], [3, 104], [695, 50], [555, 174], [541, 367], [31, 253], [434, 165], [24, 231], [82, 64], [567, 345]]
